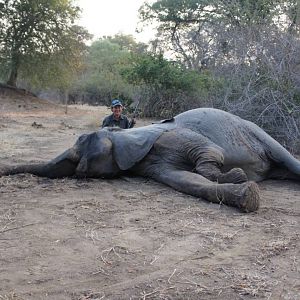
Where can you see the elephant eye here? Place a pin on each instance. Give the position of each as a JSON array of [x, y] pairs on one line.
[[82, 138]]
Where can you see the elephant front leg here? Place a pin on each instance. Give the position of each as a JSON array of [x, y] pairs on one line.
[[244, 196]]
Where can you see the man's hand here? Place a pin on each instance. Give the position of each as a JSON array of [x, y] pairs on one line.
[[132, 123]]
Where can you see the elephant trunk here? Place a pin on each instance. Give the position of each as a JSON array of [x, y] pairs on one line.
[[35, 169], [62, 166]]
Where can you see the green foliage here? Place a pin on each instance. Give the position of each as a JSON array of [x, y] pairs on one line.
[[39, 31], [247, 12], [101, 78], [176, 14], [105, 55], [127, 42], [167, 87], [155, 70], [57, 70]]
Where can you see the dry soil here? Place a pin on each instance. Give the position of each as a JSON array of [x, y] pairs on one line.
[[130, 238]]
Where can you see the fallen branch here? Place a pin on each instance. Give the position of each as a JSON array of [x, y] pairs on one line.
[[19, 227]]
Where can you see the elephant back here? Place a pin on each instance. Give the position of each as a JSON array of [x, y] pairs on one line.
[[215, 124]]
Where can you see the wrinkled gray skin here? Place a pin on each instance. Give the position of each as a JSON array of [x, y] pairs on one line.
[[203, 152]]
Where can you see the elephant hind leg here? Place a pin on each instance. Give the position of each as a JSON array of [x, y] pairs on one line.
[[244, 196], [209, 163], [213, 172], [235, 175]]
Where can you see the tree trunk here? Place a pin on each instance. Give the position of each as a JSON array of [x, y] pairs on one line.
[[66, 96], [13, 77], [14, 72]]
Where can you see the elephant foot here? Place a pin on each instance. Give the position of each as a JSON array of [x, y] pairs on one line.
[[249, 201], [235, 175]]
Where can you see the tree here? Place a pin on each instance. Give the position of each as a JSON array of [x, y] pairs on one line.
[[34, 31], [194, 29], [166, 87], [101, 80], [251, 46], [127, 42], [156, 71], [57, 70]]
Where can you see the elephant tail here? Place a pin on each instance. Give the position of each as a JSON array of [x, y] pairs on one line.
[[281, 156]]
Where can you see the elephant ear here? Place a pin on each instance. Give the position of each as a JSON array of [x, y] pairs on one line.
[[131, 145]]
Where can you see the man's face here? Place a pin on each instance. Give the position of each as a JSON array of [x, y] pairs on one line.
[[117, 110]]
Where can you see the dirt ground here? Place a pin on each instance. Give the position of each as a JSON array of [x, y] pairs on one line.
[[130, 238]]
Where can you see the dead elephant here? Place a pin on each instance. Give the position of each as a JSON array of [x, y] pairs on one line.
[[204, 152]]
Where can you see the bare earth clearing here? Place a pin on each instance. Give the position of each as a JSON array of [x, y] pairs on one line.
[[130, 238]]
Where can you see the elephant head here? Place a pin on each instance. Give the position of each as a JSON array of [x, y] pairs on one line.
[[104, 154], [110, 151], [96, 156]]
